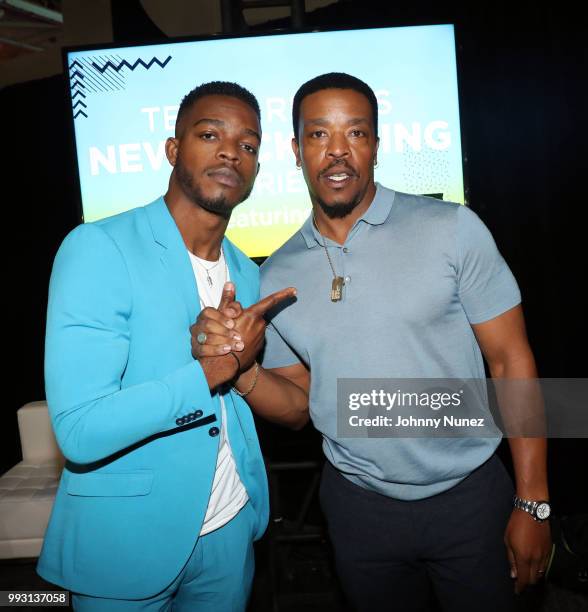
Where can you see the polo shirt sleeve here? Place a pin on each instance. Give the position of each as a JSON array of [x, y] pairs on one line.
[[486, 286], [277, 353]]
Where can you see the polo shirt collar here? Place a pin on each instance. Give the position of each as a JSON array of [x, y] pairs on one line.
[[376, 214]]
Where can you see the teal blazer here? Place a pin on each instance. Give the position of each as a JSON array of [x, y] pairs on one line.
[[131, 408]]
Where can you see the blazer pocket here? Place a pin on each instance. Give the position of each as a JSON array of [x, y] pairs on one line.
[[126, 484]]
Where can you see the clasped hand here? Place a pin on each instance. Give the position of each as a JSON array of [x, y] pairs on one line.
[[232, 328]]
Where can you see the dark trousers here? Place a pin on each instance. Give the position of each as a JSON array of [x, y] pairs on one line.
[[389, 553]]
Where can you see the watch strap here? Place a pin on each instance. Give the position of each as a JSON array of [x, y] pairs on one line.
[[528, 506]]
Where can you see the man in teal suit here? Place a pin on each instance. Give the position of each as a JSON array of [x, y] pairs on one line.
[[164, 488]]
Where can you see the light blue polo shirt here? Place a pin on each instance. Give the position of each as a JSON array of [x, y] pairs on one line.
[[418, 272]]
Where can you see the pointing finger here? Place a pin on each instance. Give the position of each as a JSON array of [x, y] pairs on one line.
[[271, 300]]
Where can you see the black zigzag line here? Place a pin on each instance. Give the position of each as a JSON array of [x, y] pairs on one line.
[[80, 103], [77, 84], [77, 73], [78, 93], [124, 63], [112, 77], [75, 63], [80, 112]]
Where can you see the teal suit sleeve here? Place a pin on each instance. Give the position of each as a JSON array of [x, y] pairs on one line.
[[87, 349]]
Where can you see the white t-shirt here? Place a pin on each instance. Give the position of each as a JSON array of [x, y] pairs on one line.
[[228, 495]]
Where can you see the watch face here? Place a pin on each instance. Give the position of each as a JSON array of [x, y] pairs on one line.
[[543, 511]]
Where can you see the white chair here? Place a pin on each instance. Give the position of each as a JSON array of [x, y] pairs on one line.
[[28, 489]]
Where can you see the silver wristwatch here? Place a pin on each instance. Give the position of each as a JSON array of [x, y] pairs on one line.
[[539, 510]]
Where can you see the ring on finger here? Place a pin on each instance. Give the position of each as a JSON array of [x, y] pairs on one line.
[[201, 338]]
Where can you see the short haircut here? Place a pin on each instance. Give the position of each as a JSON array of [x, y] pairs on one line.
[[218, 88], [333, 80]]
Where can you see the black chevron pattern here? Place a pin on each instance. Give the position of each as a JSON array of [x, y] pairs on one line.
[[138, 62], [101, 74], [76, 79]]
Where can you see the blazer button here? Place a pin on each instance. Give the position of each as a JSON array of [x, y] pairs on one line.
[[198, 413], [180, 421], [213, 431]]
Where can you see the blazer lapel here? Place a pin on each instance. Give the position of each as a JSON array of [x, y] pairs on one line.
[[243, 284], [174, 256]]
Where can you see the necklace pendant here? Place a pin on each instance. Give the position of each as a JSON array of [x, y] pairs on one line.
[[337, 289], [208, 279]]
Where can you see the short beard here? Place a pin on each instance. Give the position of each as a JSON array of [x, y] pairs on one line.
[[341, 209], [217, 206]]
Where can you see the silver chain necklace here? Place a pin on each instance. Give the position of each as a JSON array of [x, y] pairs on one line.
[[338, 281], [208, 270]]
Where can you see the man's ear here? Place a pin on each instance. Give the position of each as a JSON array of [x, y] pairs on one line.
[[296, 149], [171, 150], [376, 151]]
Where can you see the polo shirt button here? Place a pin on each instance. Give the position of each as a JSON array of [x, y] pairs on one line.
[[348, 279], [345, 250], [213, 431]]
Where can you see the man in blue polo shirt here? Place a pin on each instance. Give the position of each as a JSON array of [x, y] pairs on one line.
[[394, 286]]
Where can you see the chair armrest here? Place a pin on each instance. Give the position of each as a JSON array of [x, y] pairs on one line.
[[36, 434]]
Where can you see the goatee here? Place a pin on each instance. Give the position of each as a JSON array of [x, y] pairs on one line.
[[217, 206], [340, 209]]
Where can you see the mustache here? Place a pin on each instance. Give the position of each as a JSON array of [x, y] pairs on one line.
[[339, 163], [226, 170]]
